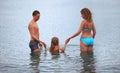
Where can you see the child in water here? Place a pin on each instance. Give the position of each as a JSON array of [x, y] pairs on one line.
[[55, 47]]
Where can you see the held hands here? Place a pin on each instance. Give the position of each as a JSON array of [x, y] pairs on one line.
[[67, 40], [63, 48]]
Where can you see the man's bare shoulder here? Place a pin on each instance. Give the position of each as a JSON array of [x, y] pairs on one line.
[[31, 24]]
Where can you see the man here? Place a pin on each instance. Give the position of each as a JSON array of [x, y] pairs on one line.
[[34, 33]]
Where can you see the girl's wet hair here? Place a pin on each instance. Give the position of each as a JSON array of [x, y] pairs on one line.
[[54, 42], [87, 15]]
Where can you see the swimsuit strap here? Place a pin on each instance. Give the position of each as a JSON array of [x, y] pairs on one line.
[[84, 29]]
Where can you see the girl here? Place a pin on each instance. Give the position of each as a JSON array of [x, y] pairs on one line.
[[55, 48], [88, 31]]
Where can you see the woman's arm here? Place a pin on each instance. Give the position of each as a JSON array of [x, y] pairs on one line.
[[76, 34], [94, 31]]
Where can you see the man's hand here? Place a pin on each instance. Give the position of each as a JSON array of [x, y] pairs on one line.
[[42, 43]]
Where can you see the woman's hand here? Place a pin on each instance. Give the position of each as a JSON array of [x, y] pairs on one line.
[[67, 40]]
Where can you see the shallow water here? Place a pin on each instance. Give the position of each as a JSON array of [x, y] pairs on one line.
[[61, 19]]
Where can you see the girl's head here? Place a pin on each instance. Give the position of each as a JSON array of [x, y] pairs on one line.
[[86, 14], [54, 42]]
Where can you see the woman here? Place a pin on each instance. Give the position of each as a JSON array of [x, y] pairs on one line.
[[88, 31]]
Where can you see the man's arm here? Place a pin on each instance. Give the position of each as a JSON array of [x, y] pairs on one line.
[[31, 29], [44, 45]]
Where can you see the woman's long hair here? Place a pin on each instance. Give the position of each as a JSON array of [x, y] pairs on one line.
[[87, 15], [54, 42]]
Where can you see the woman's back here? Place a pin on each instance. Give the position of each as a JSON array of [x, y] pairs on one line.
[[87, 28]]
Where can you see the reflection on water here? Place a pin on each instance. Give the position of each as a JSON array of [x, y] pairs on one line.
[[55, 56], [62, 63], [35, 60], [88, 62]]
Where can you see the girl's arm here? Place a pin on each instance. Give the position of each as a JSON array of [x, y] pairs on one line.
[[62, 49]]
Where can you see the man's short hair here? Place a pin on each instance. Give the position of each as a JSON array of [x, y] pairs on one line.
[[35, 12]]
